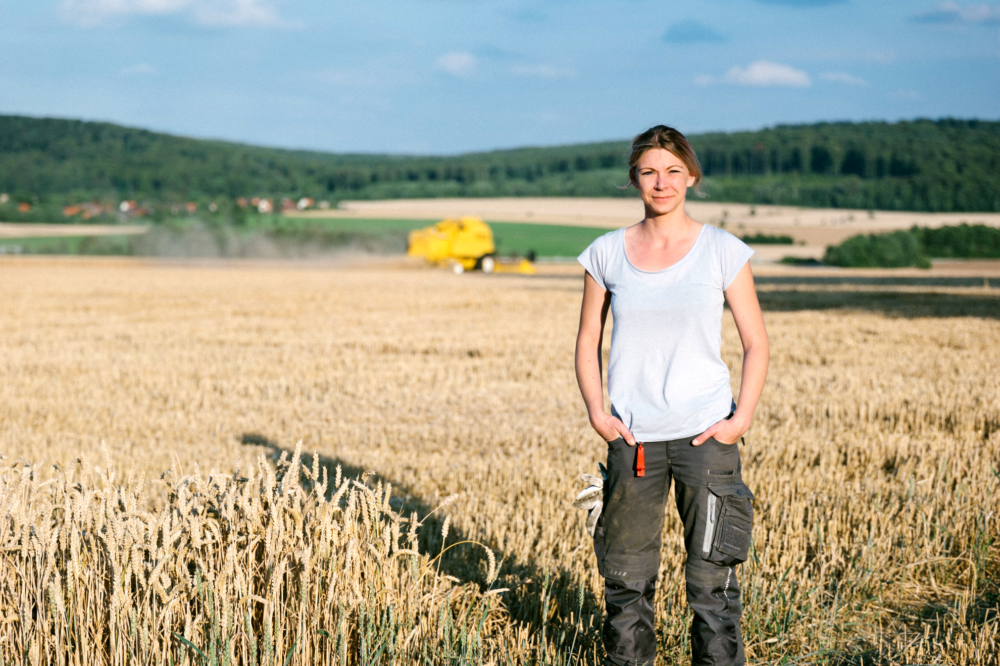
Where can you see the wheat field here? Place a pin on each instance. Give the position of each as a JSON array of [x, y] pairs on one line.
[[374, 464]]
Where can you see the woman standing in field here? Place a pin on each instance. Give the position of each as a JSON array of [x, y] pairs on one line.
[[665, 280]]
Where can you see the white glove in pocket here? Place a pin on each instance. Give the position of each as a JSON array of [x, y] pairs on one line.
[[591, 498]]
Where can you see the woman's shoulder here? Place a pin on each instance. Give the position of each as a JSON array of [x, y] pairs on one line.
[[718, 232], [611, 235], [729, 254], [721, 238], [603, 258], [608, 242]]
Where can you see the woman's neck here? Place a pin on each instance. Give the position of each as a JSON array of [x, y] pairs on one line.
[[660, 241], [675, 223]]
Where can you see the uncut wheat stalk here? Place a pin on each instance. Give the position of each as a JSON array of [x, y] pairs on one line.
[[247, 568]]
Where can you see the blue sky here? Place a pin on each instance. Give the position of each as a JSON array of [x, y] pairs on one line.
[[448, 76]]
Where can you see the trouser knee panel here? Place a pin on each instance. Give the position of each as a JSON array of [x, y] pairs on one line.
[[713, 593], [629, 633]]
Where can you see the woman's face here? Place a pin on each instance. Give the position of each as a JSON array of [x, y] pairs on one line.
[[662, 181]]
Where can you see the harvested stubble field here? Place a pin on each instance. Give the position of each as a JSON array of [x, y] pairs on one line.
[[874, 459]]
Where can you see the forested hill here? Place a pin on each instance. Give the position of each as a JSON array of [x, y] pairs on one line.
[[942, 165]]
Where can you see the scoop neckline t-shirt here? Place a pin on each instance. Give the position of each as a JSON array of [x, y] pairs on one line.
[[676, 263], [666, 376]]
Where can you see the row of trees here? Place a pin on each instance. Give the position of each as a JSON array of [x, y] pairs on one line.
[[943, 165], [916, 247]]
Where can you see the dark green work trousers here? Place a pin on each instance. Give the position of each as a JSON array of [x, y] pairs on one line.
[[717, 511]]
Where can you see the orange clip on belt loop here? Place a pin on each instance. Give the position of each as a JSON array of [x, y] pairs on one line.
[[640, 461]]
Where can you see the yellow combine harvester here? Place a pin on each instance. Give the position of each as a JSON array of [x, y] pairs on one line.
[[464, 244]]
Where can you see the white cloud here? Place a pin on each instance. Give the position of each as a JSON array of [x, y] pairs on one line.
[[95, 12], [543, 71], [952, 12], [458, 63], [238, 13], [764, 73], [138, 69], [704, 80], [208, 13], [843, 77]]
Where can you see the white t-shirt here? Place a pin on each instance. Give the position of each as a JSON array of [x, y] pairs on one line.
[[666, 377]]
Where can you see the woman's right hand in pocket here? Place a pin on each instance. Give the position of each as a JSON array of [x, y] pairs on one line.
[[611, 428]]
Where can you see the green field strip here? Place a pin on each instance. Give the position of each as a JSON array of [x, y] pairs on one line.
[[373, 226], [546, 240], [113, 245], [511, 238]]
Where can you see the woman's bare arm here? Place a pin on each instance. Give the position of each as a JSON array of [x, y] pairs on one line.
[[743, 303], [593, 315]]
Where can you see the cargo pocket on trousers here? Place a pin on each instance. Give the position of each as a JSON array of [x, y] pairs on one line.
[[728, 524]]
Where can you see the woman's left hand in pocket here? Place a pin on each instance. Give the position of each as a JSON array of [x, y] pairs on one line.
[[726, 431]]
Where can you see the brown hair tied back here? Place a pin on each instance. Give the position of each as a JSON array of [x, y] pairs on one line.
[[669, 139]]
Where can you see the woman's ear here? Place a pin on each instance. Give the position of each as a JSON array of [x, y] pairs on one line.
[[691, 180]]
